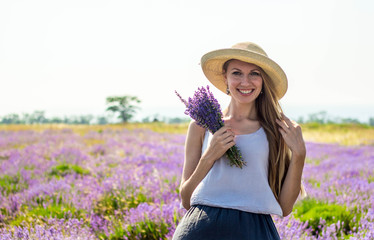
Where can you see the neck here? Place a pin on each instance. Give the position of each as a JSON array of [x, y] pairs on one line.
[[238, 111]]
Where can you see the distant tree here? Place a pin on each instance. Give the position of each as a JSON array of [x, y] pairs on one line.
[[320, 117], [124, 106], [350, 120], [37, 117], [11, 119], [55, 120], [371, 121], [156, 118], [300, 120], [85, 119], [25, 118], [146, 120], [102, 120], [178, 120]]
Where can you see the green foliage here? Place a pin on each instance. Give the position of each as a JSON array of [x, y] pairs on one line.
[[323, 118], [346, 127], [314, 182], [313, 211], [315, 162], [11, 184], [147, 230], [173, 180], [46, 207], [119, 200], [112, 165], [371, 121], [61, 211], [47, 199], [123, 105], [30, 167], [38, 117], [65, 169], [312, 125], [122, 200], [320, 117], [371, 178]]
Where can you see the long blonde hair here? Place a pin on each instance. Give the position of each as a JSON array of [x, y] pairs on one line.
[[268, 110]]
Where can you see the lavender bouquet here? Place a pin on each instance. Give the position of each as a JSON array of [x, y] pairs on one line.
[[206, 111]]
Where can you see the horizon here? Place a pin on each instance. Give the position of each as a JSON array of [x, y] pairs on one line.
[[361, 113]]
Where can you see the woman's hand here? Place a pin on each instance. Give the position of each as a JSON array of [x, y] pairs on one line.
[[196, 166], [222, 140], [292, 135]]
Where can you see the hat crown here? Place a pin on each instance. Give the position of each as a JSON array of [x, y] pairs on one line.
[[249, 46]]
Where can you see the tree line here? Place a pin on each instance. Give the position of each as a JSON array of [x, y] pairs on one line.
[[38, 117], [323, 118], [125, 108]]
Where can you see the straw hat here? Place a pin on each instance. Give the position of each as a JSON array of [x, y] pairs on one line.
[[213, 61]]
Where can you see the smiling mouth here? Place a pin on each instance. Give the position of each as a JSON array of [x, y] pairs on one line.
[[243, 91]]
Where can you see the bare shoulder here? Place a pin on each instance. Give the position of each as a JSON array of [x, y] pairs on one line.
[[195, 131], [193, 126]]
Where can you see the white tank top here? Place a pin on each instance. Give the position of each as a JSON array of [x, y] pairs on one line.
[[245, 189]]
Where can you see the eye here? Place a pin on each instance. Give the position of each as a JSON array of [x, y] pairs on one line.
[[255, 74], [237, 73]]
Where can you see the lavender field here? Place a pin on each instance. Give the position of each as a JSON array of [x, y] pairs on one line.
[[123, 184]]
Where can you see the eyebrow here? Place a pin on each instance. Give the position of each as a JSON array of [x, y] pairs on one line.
[[256, 69]]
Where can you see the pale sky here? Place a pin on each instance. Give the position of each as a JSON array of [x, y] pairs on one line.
[[66, 57]]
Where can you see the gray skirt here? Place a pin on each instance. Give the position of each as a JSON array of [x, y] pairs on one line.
[[205, 222]]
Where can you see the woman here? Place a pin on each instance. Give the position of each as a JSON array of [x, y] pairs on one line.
[[225, 202]]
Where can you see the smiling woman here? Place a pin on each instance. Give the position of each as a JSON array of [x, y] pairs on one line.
[[219, 206], [242, 79]]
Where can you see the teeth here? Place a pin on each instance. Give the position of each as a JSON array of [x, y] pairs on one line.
[[245, 91]]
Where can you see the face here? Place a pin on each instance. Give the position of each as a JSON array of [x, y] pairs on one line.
[[244, 81]]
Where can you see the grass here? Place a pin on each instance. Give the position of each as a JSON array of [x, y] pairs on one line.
[[119, 200], [42, 213], [315, 211], [65, 169], [147, 230], [46, 207], [344, 134], [11, 184]]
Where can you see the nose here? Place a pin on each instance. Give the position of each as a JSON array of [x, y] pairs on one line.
[[246, 81]]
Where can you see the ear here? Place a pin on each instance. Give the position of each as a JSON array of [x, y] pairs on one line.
[[225, 78]]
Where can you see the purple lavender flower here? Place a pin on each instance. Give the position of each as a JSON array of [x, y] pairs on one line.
[[206, 111], [139, 161]]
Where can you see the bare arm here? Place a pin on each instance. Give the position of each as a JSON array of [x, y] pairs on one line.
[[197, 165], [291, 186], [291, 132]]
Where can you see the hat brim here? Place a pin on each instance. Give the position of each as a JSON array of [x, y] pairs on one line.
[[213, 61]]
